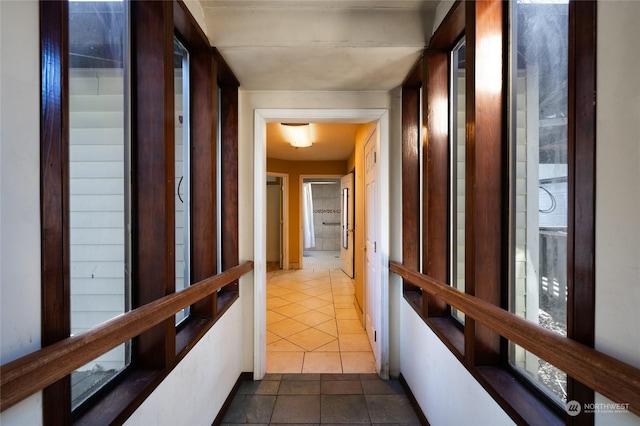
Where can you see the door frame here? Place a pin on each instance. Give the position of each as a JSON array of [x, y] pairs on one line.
[[300, 208], [285, 218], [346, 219], [369, 309], [261, 118]]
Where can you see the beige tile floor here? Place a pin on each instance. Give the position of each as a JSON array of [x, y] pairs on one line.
[[312, 324]]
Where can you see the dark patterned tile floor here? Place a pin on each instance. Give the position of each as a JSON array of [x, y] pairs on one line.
[[321, 399]]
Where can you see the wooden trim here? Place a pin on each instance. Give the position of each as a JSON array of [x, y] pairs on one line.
[[190, 332], [225, 297], [484, 214], [204, 124], [188, 27], [609, 376], [120, 400], [435, 259], [516, 398], [413, 296], [435, 174], [229, 175], [226, 78], [582, 183], [229, 171], [411, 132], [449, 32], [413, 80], [414, 402], [153, 172], [54, 196], [245, 376], [27, 375], [451, 332]]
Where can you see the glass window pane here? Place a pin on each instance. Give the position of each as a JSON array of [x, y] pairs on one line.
[[182, 171], [98, 180], [458, 147], [539, 222]]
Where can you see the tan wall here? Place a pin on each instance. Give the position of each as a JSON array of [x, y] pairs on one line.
[[294, 169], [356, 164]]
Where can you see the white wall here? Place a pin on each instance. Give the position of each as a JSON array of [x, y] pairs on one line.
[[196, 389], [618, 189], [447, 393], [20, 193]]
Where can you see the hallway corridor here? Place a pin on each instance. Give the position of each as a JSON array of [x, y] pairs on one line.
[[313, 325], [316, 399]]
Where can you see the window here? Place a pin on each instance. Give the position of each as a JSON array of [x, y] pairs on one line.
[[182, 171], [413, 137], [509, 179], [457, 179], [540, 181], [99, 186], [228, 176], [116, 219]]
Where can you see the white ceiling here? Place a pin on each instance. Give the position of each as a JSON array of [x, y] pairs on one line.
[[319, 45], [331, 141]]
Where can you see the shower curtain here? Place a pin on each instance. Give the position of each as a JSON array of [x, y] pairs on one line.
[[307, 216]]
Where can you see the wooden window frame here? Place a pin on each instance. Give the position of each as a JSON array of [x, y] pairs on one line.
[[411, 132], [157, 351], [482, 351], [228, 116]]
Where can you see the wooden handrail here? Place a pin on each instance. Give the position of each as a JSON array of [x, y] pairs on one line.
[[609, 376], [27, 375]]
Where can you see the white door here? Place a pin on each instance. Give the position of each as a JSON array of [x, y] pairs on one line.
[[372, 238], [346, 224]]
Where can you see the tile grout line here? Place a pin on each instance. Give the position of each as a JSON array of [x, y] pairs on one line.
[[335, 286]]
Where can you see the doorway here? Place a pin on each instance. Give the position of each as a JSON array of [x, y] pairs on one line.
[[277, 247], [320, 212], [262, 117]]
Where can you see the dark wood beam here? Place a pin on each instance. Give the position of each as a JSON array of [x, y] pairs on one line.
[[54, 197], [582, 183], [153, 178], [484, 213]]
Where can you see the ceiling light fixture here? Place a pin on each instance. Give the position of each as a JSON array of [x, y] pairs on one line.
[[297, 134]]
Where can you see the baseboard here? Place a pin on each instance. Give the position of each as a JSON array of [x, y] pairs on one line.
[[414, 402], [244, 376]]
